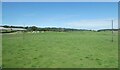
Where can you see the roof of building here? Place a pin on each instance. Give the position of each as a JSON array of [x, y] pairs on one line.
[[2, 28]]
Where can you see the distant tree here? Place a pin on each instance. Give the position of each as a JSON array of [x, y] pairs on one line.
[[33, 28], [6, 26], [26, 27]]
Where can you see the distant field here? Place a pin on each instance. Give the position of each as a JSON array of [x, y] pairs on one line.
[[60, 50]]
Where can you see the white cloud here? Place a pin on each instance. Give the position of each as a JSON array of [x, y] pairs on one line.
[[93, 24]]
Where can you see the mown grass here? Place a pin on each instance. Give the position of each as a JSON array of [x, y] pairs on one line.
[[0, 49], [60, 50]]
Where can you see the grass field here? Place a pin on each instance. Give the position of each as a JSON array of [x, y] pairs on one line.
[[60, 50], [0, 49]]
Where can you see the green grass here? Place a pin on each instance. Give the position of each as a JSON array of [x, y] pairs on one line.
[[0, 49], [60, 50]]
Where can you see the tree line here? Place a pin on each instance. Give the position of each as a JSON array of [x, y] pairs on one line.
[[34, 28]]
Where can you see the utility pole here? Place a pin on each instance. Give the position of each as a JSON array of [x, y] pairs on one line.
[[112, 29]]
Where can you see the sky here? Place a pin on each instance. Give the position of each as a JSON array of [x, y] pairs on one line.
[[60, 0], [79, 15]]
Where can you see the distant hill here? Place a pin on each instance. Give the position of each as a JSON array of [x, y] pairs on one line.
[[108, 30]]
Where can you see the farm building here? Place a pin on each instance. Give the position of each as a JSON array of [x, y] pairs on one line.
[[2, 29]]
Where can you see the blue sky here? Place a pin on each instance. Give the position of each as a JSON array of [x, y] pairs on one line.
[[60, 0], [81, 15]]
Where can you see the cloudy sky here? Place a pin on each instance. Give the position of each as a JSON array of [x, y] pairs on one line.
[[80, 15]]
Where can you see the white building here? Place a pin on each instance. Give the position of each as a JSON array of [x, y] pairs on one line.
[[2, 29]]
